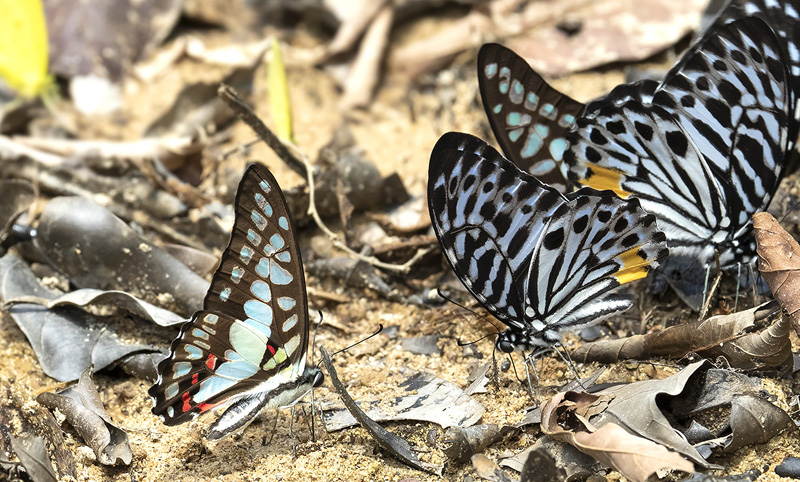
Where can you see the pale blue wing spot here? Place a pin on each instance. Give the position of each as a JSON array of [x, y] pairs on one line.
[[276, 240], [567, 120], [210, 330], [264, 186], [515, 134], [542, 167], [548, 111], [292, 345], [198, 333], [557, 148], [268, 210], [542, 130], [262, 268], [247, 343], [289, 323], [261, 290], [548, 108], [532, 144], [286, 303], [491, 70], [253, 237], [283, 222], [181, 369], [279, 276], [503, 86], [260, 330], [513, 119], [238, 370], [212, 386], [224, 295], [531, 101], [261, 201], [205, 346], [246, 254], [517, 91], [211, 318], [284, 256], [171, 390], [498, 108], [236, 274], [259, 220], [259, 311], [170, 411], [193, 353]]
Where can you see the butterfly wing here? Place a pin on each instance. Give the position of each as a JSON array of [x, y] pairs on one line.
[[539, 261], [704, 155], [252, 334], [529, 118]]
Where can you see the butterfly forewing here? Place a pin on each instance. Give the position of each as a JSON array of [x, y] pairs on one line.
[[537, 260], [708, 150], [529, 118], [253, 329]]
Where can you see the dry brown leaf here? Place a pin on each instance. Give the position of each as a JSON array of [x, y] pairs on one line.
[[779, 264], [364, 74], [634, 457], [722, 335]]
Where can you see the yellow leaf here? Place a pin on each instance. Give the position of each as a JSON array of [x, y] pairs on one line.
[[278, 95], [23, 46]]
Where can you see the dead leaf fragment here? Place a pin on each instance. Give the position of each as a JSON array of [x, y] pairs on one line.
[[83, 409], [779, 263], [392, 443]]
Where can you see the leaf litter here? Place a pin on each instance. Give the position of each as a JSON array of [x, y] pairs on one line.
[[372, 373]]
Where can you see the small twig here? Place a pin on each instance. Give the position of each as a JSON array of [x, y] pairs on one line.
[[244, 112], [306, 170]]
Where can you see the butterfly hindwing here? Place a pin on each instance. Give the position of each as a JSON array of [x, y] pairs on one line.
[[252, 333], [704, 154], [530, 119], [539, 261]]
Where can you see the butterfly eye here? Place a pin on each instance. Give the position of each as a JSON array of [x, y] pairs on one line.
[[319, 379], [505, 346]]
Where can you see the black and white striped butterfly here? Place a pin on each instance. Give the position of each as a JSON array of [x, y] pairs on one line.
[[703, 154], [539, 261], [248, 344], [531, 119]]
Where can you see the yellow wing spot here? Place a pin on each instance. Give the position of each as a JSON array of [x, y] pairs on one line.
[[280, 357], [633, 266], [602, 178]]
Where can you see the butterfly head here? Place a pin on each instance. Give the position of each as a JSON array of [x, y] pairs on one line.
[[318, 377]]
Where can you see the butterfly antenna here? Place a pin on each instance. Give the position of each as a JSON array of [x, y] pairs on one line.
[[738, 283], [450, 300], [467, 343], [380, 329], [314, 340], [789, 211]]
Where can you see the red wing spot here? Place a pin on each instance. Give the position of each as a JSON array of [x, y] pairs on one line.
[[187, 405], [271, 350], [207, 406], [194, 378], [212, 359]]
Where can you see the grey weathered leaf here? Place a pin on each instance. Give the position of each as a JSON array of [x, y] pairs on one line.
[[120, 299], [83, 409], [32, 452], [431, 399], [65, 341]]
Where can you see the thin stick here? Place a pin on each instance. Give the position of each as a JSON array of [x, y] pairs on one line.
[[303, 167]]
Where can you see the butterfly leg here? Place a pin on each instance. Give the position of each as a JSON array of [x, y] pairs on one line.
[[568, 360], [292, 434], [264, 440], [532, 361], [738, 280], [709, 294]]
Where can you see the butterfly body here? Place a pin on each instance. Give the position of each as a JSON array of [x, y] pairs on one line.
[[539, 261], [248, 344]]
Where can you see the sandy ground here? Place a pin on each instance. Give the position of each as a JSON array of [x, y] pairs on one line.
[[397, 133]]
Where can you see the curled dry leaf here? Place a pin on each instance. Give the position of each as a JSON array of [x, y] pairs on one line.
[[489, 470], [91, 297], [462, 443], [633, 456], [65, 341], [83, 409], [393, 444], [430, 399], [95, 249], [723, 335], [779, 264]]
